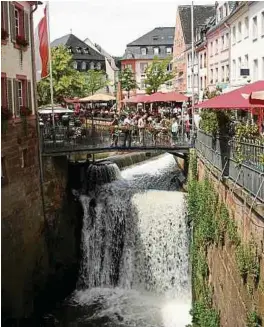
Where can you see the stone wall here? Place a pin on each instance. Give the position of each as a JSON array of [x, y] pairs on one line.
[[234, 298], [24, 252]]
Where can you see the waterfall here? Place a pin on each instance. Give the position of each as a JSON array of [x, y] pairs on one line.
[[135, 245]]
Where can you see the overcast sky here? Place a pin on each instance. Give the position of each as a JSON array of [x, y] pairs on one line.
[[111, 23]]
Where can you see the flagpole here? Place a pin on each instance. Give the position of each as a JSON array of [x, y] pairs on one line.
[[50, 67]]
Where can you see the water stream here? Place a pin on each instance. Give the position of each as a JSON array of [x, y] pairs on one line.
[[135, 242]]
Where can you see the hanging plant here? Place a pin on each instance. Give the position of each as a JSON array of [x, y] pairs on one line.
[[5, 116], [21, 41], [25, 112], [4, 34]]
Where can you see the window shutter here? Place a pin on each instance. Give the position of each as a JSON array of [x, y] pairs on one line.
[[16, 102], [12, 22], [26, 26], [5, 15], [9, 95], [29, 98]]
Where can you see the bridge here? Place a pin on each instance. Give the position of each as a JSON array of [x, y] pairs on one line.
[[97, 138]]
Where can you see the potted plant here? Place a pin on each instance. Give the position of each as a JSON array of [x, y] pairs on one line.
[[4, 34], [21, 41]]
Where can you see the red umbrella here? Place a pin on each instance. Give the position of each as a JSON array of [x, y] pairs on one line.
[[167, 97], [141, 98], [257, 97], [236, 99]]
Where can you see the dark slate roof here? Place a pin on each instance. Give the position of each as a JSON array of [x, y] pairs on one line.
[[72, 41], [201, 15], [158, 36]]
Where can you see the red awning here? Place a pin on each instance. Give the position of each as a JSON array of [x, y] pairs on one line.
[[257, 97], [167, 97], [237, 99], [141, 98]]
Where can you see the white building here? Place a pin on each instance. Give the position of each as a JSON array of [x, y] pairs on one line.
[[189, 72], [247, 43]]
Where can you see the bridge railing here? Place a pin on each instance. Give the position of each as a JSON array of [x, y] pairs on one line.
[[95, 136], [242, 162]]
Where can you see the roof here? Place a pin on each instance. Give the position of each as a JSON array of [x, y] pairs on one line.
[[201, 14], [237, 99], [158, 36], [72, 41]]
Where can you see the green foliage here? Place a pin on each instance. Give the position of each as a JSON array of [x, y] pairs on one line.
[[246, 131], [248, 261], [157, 74], [202, 316], [95, 80], [215, 121], [67, 82], [253, 320], [127, 80]]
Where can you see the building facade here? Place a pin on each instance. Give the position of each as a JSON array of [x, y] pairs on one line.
[[110, 66], [182, 57], [22, 211], [84, 56], [247, 43], [141, 52]]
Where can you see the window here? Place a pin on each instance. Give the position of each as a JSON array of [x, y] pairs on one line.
[[239, 66], [223, 42], [128, 67], [246, 61], [3, 92], [212, 76], [262, 23], [227, 73], [255, 70], [19, 21], [225, 13], [227, 40], [169, 50], [78, 50], [221, 13], [142, 84], [155, 38], [98, 66], [246, 28], [205, 81], [143, 67], [143, 51], [234, 69], [239, 32], [83, 65], [205, 64], [69, 50], [74, 65], [223, 73], [156, 51], [20, 94], [201, 83], [216, 75], [91, 65], [169, 68], [212, 49], [234, 34], [201, 61], [255, 28], [86, 50]]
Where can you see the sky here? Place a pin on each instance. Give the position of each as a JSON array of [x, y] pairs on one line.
[[110, 23]]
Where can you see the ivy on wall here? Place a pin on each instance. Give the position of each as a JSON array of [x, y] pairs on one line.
[[213, 226]]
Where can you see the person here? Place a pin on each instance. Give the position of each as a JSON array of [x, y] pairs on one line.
[[141, 127], [115, 131], [174, 131], [127, 124]]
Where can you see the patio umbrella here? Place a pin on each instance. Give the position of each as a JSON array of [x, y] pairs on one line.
[[167, 97], [141, 98], [98, 97], [257, 97], [236, 99]]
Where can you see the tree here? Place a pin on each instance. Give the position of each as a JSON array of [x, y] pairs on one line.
[[157, 74], [67, 81], [95, 80], [127, 80]]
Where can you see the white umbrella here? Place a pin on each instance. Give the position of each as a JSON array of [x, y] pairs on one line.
[[98, 97]]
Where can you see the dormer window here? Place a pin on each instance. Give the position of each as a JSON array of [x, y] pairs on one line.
[[86, 50], [169, 50], [155, 38], [156, 51], [91, 65], [78, 50], [69, 50], [143, 51]]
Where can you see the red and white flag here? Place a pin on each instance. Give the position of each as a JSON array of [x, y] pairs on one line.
[[42, 47]]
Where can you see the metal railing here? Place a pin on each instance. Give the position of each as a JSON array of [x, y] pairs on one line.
[[242, 162], [95, 136]]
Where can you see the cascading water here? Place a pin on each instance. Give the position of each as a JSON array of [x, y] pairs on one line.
[[135, 268]]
